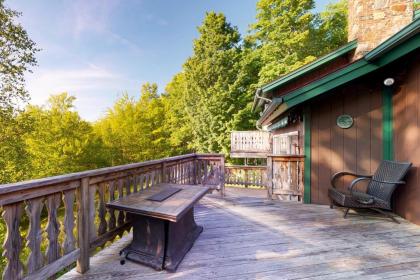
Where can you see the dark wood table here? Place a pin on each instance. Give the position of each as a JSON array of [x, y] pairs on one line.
[[163, 231]]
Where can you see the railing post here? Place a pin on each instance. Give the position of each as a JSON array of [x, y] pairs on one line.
[[222, 176], [270, 177], [163, 174], [83, 226], [195, 173]]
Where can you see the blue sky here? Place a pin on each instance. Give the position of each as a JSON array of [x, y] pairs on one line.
[[98, 49]]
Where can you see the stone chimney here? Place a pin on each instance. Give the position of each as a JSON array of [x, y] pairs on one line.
[[373, 21]]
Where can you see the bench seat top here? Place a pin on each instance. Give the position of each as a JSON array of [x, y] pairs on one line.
[[171, 209]]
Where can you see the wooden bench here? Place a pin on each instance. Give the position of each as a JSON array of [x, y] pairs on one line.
[[163, 223]]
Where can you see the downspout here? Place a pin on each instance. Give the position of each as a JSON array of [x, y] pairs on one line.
[[257, 94]]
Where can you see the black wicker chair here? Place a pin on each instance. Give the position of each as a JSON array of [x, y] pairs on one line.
[[379, 190]]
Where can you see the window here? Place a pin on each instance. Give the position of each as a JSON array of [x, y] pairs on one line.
[[286, 143]]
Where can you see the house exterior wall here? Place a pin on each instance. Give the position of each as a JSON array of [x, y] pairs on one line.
[[357, 149], [406, 128]]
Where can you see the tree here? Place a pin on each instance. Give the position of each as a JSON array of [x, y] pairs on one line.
[[14, 160], [17, 55], [331, 29], [214, 93], [177, 124], [281, 36], [60, 141], [133, 130]]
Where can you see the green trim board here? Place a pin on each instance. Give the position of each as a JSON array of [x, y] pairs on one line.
[[307, 151], [387, 124], [310, 66], [353, 71]]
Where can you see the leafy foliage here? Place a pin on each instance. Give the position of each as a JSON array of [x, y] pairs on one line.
[[17, 55], [133, 130], [59, 140], [288, 35]]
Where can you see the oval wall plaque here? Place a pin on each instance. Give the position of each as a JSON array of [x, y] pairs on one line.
[[345, 121]]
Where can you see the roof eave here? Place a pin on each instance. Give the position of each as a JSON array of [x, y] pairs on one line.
[[399, 38], [310, 66]]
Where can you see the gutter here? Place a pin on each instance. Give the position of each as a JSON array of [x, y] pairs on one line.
[[276, 102]]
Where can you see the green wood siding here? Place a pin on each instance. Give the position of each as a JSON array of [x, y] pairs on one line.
[[387, 124]]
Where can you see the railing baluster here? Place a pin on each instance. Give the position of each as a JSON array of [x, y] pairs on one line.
[[34, 237], [121, 217], [128, 185], [112, 221], [101, 210], [12, 214], [92, 213], [69, 241], [141, 182], [53, 228]]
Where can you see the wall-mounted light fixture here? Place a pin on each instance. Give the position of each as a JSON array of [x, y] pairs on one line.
[[389, 82]]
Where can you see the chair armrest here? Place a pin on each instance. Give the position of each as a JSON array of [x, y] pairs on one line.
[[341, 174], [356, 181], [389, 182]]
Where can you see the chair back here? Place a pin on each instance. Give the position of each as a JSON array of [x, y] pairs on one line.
[[388, 171]]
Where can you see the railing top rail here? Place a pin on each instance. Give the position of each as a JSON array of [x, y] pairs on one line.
[[250, 132], [246, 166], [20, 186]]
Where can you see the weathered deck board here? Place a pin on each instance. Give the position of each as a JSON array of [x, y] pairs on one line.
[[251, 238]]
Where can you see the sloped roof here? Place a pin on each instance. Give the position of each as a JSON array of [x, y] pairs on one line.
[[400, 44]]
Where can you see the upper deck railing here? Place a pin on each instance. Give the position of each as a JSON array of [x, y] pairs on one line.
[[250, 143], [63, 218]]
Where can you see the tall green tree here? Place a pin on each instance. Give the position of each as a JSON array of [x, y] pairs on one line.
[[330, 29], [288, 34], [214, 93], [17, 55], [281, 36], [177, 124]]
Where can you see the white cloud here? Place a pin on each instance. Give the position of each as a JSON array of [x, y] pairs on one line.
[[95, 88]]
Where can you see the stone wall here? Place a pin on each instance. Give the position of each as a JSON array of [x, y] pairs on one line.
[[373, 21]]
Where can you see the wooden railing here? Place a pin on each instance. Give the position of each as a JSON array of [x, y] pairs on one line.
[[257, 142], [285, 176], [65, 217], [245, 175]]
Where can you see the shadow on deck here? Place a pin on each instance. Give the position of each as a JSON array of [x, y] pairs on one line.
[[247, 237]]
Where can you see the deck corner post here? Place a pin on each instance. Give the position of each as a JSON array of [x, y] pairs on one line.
[[222, 175], [269, 177], [83, 226]]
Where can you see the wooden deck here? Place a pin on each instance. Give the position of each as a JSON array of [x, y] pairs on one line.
[[248, 237]]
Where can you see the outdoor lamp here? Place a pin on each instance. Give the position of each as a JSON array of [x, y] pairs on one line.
[[389, 81]]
